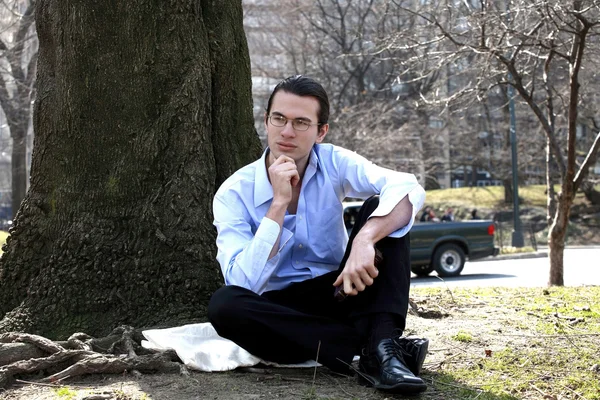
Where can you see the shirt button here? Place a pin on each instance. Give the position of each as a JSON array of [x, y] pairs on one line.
[[300, 217], [300, 246]]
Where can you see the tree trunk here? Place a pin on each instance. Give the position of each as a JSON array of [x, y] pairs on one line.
[[556, 243], [143, 108], [557, 235]]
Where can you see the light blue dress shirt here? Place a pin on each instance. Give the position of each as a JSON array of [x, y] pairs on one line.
[[313, 240]]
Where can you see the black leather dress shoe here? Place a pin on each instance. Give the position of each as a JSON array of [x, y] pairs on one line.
[[414, 350], [385, 369]]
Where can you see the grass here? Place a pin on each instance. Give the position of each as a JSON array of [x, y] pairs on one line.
[[3, 236], [488, 197], [463, 336], [65, 393], [495, 344], [491, 196], [516, 250], [530, 342]]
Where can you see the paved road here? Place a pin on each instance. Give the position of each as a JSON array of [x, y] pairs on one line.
[[581, 267]]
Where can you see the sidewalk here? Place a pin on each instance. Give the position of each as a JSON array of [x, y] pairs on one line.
[[518, 256]]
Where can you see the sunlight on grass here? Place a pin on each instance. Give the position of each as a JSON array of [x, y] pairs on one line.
[[3, 236], [516, 250], [463, 336], [546, 342], [490, 196], [65, 393]]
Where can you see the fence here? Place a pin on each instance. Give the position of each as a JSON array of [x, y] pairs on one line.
[[504, 232]]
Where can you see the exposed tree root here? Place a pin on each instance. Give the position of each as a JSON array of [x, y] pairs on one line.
[[110, 364], [8, 372], [44, 344], [80, 354], [12, 352]]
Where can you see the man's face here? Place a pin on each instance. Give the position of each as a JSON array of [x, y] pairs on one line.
[[286, 140]]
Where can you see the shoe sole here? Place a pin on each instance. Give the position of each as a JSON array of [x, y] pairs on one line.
[[402, 388], [399, 388]]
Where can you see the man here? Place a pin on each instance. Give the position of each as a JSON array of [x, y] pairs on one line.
[[425, 215], [282, 249], [448, 216]]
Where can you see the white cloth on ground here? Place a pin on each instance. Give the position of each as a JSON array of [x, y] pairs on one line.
[[200, 348]]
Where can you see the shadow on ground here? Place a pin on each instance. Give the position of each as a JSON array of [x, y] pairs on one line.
[[279, 383], [255, 383]]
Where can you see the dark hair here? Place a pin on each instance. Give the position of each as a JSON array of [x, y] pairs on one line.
[[301, 85]]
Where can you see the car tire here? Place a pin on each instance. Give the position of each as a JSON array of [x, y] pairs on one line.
[[449, 260], [421, 270]]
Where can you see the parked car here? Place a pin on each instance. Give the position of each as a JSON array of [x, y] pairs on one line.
[[441, 246]]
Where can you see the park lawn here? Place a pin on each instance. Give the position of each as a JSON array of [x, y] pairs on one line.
[[512, 343], [491, 196], [3, 236], [485, 344]]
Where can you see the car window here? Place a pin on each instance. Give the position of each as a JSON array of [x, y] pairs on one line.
[[350, 214]]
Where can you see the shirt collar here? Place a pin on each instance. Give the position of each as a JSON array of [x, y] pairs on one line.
[[263, 191], [313, 164]]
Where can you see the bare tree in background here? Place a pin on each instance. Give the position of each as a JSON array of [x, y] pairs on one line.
[[544, 49], [334, 41], [18, 58]]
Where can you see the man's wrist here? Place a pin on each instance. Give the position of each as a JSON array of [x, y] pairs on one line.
[[277, 210], [363, 239], [279, 204]]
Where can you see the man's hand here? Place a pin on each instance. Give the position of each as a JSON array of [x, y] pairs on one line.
[[283, 174], [359, 271]]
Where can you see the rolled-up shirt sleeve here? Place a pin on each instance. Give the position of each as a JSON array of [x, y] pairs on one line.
[[242, 254], [360, 178]]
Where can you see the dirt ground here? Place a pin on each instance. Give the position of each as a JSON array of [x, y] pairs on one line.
[[492, 326], [257, 383]]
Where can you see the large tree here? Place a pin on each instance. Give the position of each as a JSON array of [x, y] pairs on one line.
[[143, 108]]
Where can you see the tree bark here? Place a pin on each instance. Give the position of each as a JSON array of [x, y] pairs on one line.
[[556, 240], [142, 110]]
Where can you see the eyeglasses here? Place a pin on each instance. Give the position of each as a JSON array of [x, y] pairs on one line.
[[297, 124]]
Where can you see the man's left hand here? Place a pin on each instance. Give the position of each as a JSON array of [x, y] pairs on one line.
[[359, 271]]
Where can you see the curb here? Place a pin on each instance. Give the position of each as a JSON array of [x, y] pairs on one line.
[[542, 253], [517, 256]]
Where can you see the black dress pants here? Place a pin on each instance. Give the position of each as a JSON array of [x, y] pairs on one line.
[[292, 324]]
